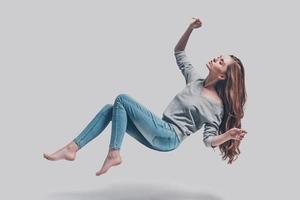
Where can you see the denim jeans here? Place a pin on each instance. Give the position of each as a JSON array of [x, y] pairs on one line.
[[127, 115]]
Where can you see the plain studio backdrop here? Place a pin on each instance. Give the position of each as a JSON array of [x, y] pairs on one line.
[[62, 61]]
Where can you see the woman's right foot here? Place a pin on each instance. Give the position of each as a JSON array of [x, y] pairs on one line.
[[68, 153]]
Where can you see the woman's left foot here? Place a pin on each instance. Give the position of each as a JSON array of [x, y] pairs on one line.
[[113, 158]]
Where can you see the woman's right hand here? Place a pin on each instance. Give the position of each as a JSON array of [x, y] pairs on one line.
[[195, 23], [236, 133]]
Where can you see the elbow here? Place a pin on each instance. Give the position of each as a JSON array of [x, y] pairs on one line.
[[208, 142]]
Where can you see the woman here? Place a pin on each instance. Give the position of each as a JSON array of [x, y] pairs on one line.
[[215, 102]]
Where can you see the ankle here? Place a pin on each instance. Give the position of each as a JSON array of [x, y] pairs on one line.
[[114, 153], [72, 147]]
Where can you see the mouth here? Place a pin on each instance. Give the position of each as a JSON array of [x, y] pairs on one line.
[[208, 64]]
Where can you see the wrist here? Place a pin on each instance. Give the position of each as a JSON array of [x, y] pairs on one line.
[[190, 27], [227, 135]]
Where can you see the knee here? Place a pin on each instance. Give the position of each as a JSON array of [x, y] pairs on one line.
[[108, 106], [120, 97]]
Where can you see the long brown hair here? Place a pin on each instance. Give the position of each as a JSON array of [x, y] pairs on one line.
[[233, 93]]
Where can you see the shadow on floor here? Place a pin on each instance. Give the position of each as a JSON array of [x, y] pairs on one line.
[[136, 191]]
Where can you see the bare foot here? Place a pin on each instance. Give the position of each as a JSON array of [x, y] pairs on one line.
[[113, 158], [68, 153]]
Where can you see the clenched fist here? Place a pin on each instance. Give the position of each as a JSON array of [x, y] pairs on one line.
[[195, 23]]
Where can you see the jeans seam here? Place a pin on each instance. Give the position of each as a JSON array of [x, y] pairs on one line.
[[151, 115], [112, 145], [100, 116], [143, 111]]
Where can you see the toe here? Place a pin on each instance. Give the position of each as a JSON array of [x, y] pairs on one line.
[[99, 173], [46, 156]]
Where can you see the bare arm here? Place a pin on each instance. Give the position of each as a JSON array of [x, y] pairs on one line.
[[183, 40], [180, 46], [234, 133], [220, 139]]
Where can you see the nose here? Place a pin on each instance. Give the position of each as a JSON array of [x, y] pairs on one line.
[[215, 59]]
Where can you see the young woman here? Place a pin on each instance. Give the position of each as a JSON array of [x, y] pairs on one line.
[[215, 102]]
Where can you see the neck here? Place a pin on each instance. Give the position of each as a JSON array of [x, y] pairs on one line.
[[210, 82]]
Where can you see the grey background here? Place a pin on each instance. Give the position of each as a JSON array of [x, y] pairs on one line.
[[61, 61]]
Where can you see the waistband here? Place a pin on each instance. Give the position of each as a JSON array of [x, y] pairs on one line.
[[181, 136]]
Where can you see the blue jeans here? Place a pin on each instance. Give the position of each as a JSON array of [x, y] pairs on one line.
[[127, 115]]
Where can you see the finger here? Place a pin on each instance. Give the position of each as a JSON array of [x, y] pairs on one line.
[[242, 131]]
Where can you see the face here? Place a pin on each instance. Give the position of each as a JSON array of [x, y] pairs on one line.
[[218, 66]]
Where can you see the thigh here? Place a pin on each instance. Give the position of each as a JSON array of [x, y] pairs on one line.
[[136, 134], [156, 131]]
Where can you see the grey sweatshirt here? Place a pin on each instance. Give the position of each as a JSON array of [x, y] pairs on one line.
[[189, 110]]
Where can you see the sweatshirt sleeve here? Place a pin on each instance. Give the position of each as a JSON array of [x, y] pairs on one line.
[[189, 72], [210, 131]]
